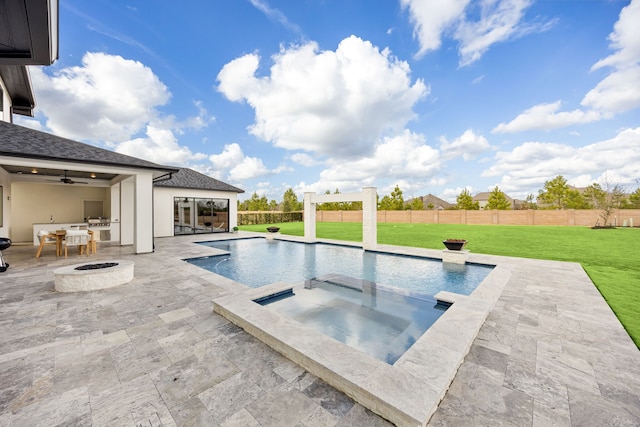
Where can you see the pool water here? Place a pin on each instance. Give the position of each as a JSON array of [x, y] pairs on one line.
[[258, 262], [375, 320]]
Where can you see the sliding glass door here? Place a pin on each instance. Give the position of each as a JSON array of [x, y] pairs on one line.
[[194, 215]]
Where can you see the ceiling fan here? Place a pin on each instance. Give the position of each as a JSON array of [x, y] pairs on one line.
[[67, 180]]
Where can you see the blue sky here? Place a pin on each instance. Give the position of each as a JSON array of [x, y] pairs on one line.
[[320, 94]]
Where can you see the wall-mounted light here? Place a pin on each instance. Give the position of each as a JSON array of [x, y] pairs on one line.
[[34, 170], [93, 175]]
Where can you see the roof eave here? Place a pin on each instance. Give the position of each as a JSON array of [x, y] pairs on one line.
[[34, 26], [18, 83]]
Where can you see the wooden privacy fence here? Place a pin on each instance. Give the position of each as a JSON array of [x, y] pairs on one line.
[[568, 217]]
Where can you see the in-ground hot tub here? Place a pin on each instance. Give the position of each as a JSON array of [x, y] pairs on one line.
[[93, 276]]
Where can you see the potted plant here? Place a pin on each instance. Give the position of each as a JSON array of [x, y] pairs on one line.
[[235, 229], [454, 244]]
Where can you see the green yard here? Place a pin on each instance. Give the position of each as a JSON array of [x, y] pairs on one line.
[[609, 256]]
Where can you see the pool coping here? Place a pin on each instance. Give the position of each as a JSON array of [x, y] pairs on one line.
[[407, 392]]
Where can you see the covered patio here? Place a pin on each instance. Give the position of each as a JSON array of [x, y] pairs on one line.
[[45, 179]]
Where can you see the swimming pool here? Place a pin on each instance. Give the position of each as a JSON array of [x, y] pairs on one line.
[[258, 262]]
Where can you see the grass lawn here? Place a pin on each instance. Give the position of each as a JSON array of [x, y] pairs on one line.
[[609, 256]]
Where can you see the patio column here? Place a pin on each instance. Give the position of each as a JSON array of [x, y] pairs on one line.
[[143, 222], [127, 212]]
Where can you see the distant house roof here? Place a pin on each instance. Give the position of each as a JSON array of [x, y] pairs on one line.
[[484, 197], [188, 178], [437, 202], [23, 142]]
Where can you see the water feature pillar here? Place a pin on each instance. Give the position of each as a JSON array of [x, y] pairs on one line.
[[309, 218], [369, 218]]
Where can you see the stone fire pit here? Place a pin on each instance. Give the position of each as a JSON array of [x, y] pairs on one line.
[[93, 276]]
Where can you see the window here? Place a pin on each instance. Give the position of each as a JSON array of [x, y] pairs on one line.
[[193, 215]]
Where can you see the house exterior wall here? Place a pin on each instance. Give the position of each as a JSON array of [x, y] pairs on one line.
[[36, 203], [5, 103], [163, 206]]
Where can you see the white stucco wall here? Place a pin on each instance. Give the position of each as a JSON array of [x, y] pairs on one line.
[[163, 206], [36, 203], [5, 114]]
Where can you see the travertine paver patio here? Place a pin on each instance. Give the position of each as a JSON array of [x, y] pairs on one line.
[[152, 352]]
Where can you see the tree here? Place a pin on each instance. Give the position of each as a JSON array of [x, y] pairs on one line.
[[594, 195], [465, 201], [273, 205], [612, 199], [393, 202], [416, 204], [290, 201], [554, 193], [530, 202], [575, 200], [257, 203], [498, 200], [634, 199]]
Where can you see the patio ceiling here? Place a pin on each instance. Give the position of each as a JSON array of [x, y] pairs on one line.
[[35, 173]]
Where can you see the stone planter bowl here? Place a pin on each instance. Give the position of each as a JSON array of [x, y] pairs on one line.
[[454, 244]]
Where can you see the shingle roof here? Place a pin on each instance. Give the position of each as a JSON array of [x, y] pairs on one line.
[[188, 178], [20, 141]]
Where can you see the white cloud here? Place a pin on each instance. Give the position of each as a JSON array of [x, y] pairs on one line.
[[160, 146], [625, 39], [499, 21], [108, 98], [304, 159], [248, 168], [115, 102], [431, 19], [546, 117], [231, 156], [617, 92], [403, 158], [468, 146], [29, 122], [529, 165], [233, 165], [274, 14], [330, 103]]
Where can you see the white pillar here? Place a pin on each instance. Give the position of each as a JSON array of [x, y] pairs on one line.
[[143, 213], [309, 218], [127, 212], [369, 218], [115, 213]]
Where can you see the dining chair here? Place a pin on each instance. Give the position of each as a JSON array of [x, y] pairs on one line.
[[92, 243], [78, 238], [46, 238]]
